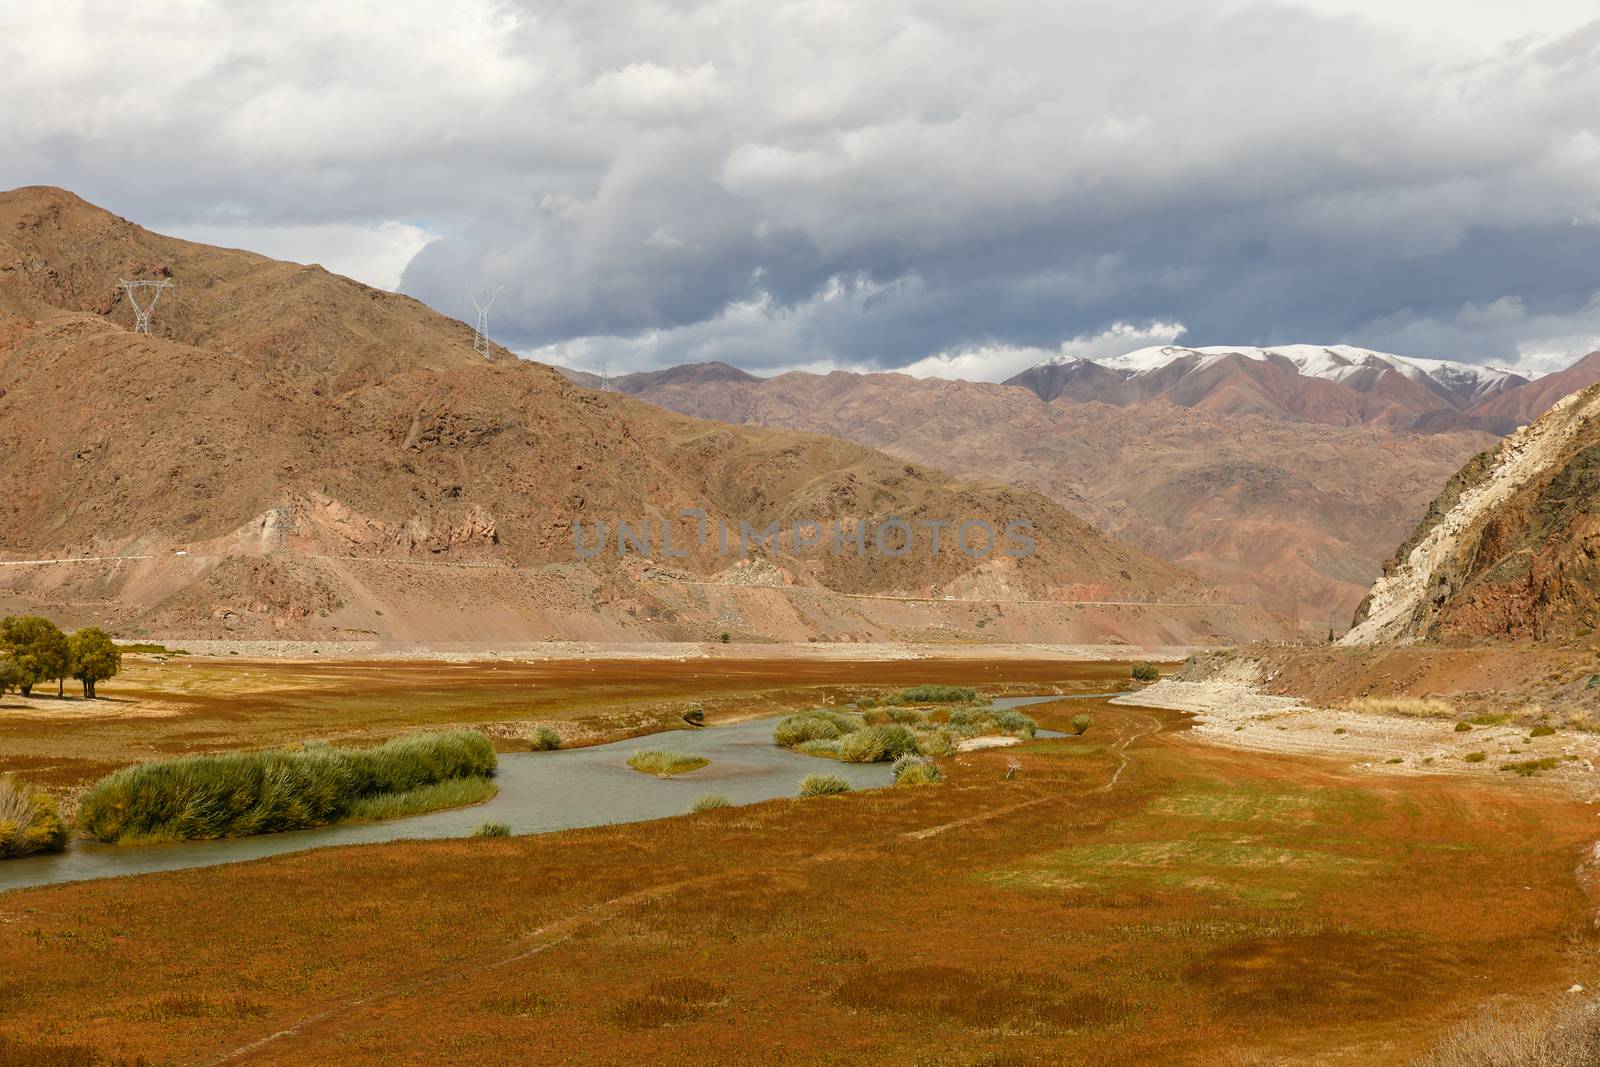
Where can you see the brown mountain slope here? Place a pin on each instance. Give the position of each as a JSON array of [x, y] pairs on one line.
[[1239, 385], [1517, 407], [308, 441], [1294, 516], [1336, 386], [1510, 549]]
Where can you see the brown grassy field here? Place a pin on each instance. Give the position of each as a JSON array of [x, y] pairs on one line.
[[1128, 898], [197, 704]]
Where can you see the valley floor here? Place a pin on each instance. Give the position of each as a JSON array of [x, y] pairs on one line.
[[1125, 897], [180, 704]]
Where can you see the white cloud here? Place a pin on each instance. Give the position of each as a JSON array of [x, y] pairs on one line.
[[949, 187], [997, 362], [1534, 342], [376, 255]]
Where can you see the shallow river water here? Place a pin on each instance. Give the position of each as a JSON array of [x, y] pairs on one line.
[[539, 792]]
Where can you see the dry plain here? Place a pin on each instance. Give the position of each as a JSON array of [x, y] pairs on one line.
[[1127, 897]]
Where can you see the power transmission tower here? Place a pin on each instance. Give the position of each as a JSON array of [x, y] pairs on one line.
[[480, 337], [154, 289], [605, 379]]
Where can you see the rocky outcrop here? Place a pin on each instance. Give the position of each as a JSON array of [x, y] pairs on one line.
[[1510, 549]]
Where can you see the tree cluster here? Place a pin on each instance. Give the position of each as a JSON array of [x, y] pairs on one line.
[[34, 650]]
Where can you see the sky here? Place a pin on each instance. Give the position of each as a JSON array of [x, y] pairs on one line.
[[940, 187]]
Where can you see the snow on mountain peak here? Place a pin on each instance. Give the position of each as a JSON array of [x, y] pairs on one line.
[[1337, 363]]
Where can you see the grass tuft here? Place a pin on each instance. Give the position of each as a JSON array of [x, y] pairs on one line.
[[877, 744], [437, 796], [29, 822], [711, 802], [1567, 1037], [916, 770], [492, 829], [664, 763], [671, 1001], [545, 739], [823, 785]]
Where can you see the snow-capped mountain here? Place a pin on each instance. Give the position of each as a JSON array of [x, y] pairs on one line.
[[1345, 364], [1338, 384]]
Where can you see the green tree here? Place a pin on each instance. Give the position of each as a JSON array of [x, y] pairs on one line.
[[94, 658], [39, 648], [10, 675]]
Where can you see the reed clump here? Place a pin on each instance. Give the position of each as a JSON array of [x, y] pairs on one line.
[[194, 798], [29, 821]]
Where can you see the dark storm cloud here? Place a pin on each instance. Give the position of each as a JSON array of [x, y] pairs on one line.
[[958, 187]]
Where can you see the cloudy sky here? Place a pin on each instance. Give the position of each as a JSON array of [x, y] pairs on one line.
[[951, 187]]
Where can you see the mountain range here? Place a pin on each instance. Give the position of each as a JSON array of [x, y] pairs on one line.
[[1336, 385], [289, 453], [1284, 477]]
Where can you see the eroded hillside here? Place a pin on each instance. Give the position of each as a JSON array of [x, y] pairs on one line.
[[283, 425]]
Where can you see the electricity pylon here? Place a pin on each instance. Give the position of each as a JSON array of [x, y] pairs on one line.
[[141, 315], [480, 337]]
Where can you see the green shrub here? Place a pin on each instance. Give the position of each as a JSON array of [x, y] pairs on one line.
[[1529, 768], [1014, 723], [1463, 727], [822, 747], [694, 715], [1475, 757], [1081, 724], [1145, 672], [971, 722], [877, 744], [906, 716], [1542, 731], [711, 802], [939, 742], [242, 793], [915, 770], [150, 648], [812, 726], [823, 785], [658, 762], [724, 637], [492, 829], [935, 694], [29, 821], [545, 739]]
